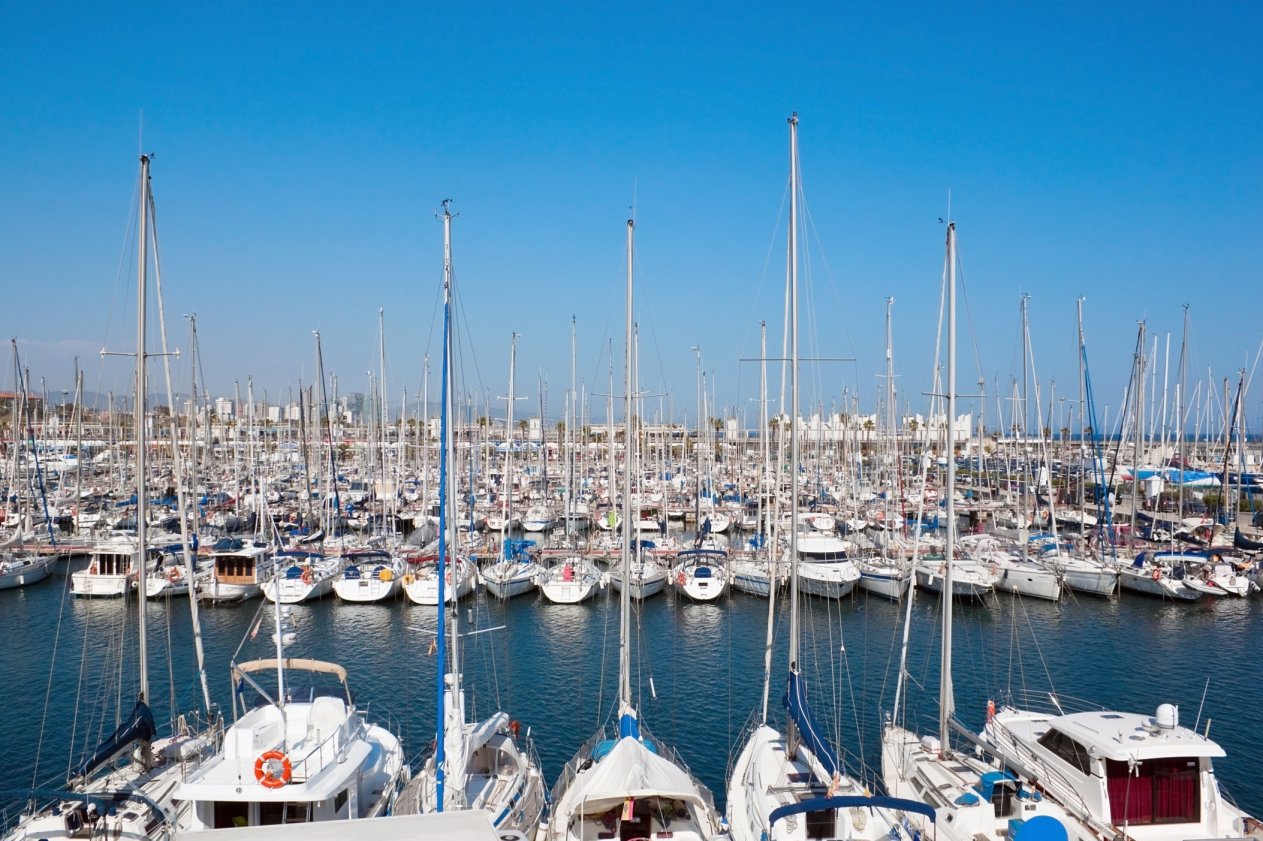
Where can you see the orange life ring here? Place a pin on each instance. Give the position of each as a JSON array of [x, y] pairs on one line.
[[265, 769], [307, 576], [92, 568], [1157, 574], [990, 709], [173, 575], [515, 727]]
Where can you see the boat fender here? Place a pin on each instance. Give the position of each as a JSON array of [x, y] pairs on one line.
[[273, 769]]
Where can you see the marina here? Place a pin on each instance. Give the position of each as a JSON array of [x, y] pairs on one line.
[[522, 427]]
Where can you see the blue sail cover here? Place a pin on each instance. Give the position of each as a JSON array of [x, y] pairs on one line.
[[795, 701], [138, 727]]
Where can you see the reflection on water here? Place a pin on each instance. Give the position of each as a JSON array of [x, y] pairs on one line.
[[698, 677]]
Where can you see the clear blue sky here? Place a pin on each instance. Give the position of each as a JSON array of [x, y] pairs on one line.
[[302, 149]]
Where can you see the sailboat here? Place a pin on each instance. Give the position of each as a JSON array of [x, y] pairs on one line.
[[18, 565], [974, 800], [124, 788], [792, 785], [628, 785], [516, 572], [475, 765]]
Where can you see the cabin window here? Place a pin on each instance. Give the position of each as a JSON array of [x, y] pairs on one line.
[[1155, 791], [278, 813], [1067, 750], [230, 813]]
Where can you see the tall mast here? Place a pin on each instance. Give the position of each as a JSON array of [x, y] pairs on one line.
[[627, 718], [792, 293], [770, 547], [440, 757], [947, 701], [138, 413], [508, 452]]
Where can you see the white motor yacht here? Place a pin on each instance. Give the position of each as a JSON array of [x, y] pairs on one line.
[[301, 756]]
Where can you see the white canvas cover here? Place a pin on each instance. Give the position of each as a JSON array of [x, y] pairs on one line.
[[630, 770]]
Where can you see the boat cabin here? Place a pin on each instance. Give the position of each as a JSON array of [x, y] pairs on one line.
[[239, 562], [1130, 770]]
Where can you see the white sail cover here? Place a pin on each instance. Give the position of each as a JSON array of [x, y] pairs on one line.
[[630, 770]]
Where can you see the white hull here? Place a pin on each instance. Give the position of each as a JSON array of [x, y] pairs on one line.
[[218, 591], [366, 590], [423, 588], [647, 579], [86, 584], [889, 584], [509, 579], [1164, 587], [1029, 580], [970, 585], [20, 572], [1087, 577], [753, 577], [578, 585], [831, 580]]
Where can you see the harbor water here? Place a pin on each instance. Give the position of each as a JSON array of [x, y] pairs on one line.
[[68, 668]]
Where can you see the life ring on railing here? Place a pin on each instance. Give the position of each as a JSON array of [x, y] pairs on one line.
[[1157, 574], [515, 727], [92, 568], [990, 709], [679, 579], [173, 575], [266, 769], [408, 579], [386, 575], [307, 576]]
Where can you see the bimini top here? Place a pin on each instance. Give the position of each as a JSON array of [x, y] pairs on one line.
[[291, 663], [1122, 736]]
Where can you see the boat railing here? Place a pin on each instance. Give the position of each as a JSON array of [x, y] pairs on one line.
[[325, 752]]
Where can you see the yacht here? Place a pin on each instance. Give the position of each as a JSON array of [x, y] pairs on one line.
[[1123, 774], [238, 570], [299, 756]]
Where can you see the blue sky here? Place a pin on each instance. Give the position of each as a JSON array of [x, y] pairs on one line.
[[301, 150]]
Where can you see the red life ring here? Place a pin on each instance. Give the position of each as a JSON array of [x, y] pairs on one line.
[[1157, 574], [515, 727], [990, 710], [265, 770], [173, 575], [307, 576]]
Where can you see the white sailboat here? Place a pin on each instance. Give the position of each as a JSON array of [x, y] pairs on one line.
[[792, 785], [972, 799], [124, 788], [368, 575], [573, 580], [628, 785], [476, 765]]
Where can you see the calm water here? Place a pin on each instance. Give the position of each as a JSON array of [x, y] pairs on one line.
[[67, 665]]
